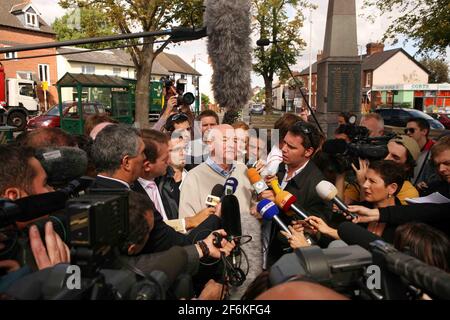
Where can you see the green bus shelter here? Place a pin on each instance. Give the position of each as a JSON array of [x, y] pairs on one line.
[[113, 91]]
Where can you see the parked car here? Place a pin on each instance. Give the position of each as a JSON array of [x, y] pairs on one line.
[[398, 117], [257, 109], [51, 118]]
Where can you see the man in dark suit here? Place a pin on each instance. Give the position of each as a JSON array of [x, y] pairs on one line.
[[299, 176], [118, 154]]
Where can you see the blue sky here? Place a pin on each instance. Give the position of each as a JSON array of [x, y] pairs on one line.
[[367, 32]]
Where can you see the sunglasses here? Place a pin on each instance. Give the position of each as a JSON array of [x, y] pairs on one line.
[[410, 130], [305, 130]]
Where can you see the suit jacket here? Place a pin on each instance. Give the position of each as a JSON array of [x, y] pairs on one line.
[[303, 186], [164, 237]]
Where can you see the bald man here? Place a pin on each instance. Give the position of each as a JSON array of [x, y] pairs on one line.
[[219, 166]]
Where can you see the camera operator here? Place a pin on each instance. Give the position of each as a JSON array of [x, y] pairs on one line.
[[22, 175], [404, 151], [374, 123]]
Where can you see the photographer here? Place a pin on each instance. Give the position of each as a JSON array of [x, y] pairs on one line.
[[402, 150], [22, 175]]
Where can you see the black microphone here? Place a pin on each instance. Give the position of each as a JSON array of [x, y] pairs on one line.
[[62, 164], [263, 42], [352, 234], [231, 216], [228, 24], [214, 198]]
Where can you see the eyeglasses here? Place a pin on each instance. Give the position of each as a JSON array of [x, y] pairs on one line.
[[305, 130], [410, 130]]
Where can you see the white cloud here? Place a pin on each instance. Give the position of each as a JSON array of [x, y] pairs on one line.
[[49, 9]]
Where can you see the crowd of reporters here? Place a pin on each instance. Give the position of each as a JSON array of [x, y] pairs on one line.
[[170, 171]]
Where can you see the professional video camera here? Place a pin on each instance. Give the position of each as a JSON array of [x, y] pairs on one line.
[[372, 270], [183, 98], [340, 154]]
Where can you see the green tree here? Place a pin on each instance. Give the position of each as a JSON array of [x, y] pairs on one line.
[[271, 21], [85, 23], [128, 16], [260, 96], [205, 101], [427, 22], [438, 70]]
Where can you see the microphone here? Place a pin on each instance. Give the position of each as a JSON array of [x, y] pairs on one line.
[[263, 42], [269, 211], [230, 186], [62, 164], [328, 192], [352, 234], [213, 199], [231, 216], [256, 180], [228, 24], [285, 200]]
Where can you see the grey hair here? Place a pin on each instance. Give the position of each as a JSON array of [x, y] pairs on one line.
[[112, 144]]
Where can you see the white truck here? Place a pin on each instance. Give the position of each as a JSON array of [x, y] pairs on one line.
[[18, 100]]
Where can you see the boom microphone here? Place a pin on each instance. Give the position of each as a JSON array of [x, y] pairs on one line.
[[228, 24], [62, 164], [269, 211], [328, 192], [256, 180]]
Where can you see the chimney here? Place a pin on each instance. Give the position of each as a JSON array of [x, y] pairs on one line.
[[374, 47], [319, 55]]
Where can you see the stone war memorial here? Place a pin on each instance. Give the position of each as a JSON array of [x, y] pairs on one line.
[[339, 71]]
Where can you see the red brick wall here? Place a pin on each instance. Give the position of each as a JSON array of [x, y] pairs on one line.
[[12, 66]]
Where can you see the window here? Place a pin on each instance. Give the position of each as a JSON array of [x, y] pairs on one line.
[[88, 109], [369, 79], [117, 71], [11, 55], [88, 69], [25, 75], [44, 73], [26, 89], [31, 19]]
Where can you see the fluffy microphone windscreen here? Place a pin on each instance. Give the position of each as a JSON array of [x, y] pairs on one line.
[[228, 24], [62, 164]]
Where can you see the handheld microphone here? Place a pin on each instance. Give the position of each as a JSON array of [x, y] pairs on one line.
[[328, 192], [285, 200], [62, 164], [230, 186], [269, 211], [213, 199], [228, 25], [256, 180], [231, 216]]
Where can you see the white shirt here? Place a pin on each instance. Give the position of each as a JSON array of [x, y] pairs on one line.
[[274, 158], [152, 191], [286, 180], [121, 181]]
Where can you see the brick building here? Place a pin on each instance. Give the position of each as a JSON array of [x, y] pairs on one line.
[[20, 23]]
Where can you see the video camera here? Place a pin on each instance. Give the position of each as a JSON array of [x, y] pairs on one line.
[[183, 98], [341, 154], [379, 273]]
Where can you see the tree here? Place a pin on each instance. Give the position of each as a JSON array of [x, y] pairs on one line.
[[423, 21], [129, 16], [438, 70], [271, 21], [260, 96], [205, 100], [89, 24]]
